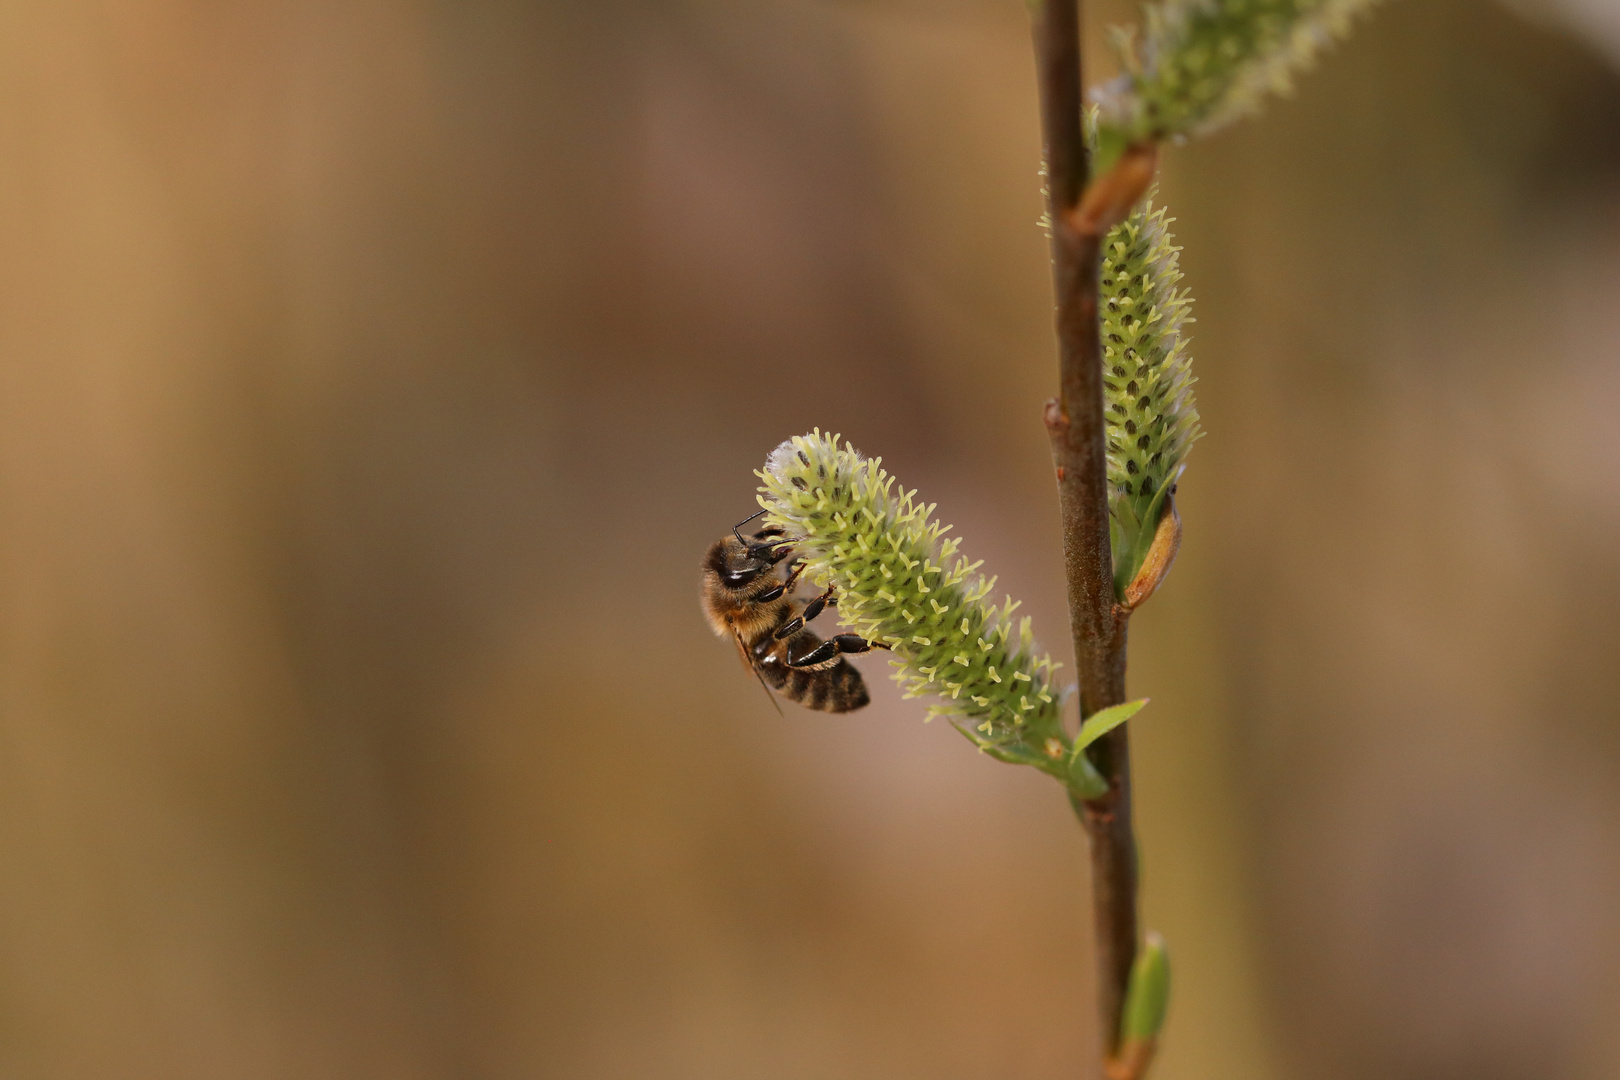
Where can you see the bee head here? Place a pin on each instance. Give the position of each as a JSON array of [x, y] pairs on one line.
[[737, 562]]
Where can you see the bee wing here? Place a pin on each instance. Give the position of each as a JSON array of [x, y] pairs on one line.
[[748, 661]]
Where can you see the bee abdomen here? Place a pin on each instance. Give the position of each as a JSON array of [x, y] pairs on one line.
[[836, 689]]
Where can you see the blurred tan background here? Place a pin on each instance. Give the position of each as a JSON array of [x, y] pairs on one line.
[[374, 373]]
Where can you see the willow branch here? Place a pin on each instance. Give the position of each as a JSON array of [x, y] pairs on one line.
[[1075, 424]]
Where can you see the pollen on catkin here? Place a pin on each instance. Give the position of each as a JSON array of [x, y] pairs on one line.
[[899, 581], [1203, 63], [1147, 383]]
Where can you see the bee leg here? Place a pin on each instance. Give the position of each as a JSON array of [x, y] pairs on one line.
[[820, 603], [854, 643], [794, 568], [829, 651], [823, 655], [775, 592], [811, 610]]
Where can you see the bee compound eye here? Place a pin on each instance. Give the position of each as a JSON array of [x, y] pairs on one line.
[[736, 579]]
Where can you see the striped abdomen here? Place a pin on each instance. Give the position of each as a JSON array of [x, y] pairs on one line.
[[834, 686]]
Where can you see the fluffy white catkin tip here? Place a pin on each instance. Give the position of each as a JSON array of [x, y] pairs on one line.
[[777, 464]]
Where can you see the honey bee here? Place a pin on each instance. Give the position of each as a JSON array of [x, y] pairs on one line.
[[745, 600]]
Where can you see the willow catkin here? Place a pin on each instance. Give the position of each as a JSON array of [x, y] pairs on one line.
[[899, 580]]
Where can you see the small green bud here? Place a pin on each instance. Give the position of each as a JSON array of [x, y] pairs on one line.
[[899, 581], [1148, 996], [1207, 62], [1083, 778], [1151, 418]]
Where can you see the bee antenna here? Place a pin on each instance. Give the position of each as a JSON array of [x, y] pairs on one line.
[[741, 523]]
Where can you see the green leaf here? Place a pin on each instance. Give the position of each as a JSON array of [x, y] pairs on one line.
[[1103, 721], [1148, 997]]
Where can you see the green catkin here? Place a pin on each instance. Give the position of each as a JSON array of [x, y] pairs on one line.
[[1204, 63], [900, 581], [1147, 384]]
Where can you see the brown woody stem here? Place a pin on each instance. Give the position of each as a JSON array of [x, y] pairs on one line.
[[1075, 424]]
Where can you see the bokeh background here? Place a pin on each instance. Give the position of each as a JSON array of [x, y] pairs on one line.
[[373, 374]]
